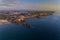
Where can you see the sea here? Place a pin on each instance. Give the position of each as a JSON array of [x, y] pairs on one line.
[[42, 28]]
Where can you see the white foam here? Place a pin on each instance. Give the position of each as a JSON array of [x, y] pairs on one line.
[[3, 21]]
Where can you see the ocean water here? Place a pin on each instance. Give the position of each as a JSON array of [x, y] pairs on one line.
[[43, 28]]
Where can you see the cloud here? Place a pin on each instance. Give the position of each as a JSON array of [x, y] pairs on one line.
[[30, 4], [10, 2]]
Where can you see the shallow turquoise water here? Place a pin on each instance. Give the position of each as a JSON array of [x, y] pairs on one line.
[[43, 28]]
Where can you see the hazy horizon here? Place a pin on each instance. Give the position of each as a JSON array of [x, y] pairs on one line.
[[30, 4]]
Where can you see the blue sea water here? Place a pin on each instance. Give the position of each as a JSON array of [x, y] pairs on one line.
[[43, 28]]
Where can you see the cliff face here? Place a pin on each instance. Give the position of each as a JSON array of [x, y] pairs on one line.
[[20, 18]]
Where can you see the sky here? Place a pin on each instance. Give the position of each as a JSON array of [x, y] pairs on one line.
[[30, 4]]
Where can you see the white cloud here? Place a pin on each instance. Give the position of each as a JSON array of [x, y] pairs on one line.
[[11, 4], [19, 4]]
